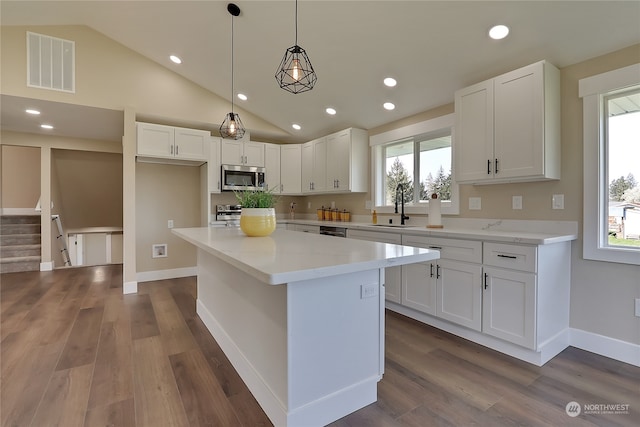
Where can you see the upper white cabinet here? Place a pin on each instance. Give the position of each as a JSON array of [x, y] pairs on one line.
[[336, 163], [314, 166], [507, 129], [272, 167], [290, 169], [347, 161], [244, 153], [168, 142], [213, 170]]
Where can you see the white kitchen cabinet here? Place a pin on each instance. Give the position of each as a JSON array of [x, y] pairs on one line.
[[291, 168], [315, 229], [314, 166], [347, 161], [213, 166], [526, 292], [272, 167], [451, 287], [392, 275], [172, 143], [510, 305], [508, 128], [245, 153]]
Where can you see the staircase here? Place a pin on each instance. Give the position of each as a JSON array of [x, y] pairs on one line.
[[19, 243]]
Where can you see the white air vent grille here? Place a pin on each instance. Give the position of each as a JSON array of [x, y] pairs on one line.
[[50, 63]]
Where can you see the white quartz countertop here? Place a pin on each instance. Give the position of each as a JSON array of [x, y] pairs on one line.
[[456, 232], [289, 256]]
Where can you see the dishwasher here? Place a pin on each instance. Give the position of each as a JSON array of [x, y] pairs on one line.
[[333, 231]]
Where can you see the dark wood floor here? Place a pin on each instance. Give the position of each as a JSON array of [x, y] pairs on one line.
[[76, 352]]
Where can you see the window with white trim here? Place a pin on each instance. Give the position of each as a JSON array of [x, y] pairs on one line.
[[611, 120], [414, 162]]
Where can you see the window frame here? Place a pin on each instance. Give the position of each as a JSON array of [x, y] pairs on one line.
[[593, 90], [435, 127]]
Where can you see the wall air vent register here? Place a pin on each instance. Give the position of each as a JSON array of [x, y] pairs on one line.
[[50, 63]]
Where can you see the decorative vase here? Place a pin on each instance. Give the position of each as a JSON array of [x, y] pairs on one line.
[[258, 222]]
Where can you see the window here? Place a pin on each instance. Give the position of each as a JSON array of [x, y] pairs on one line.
[[611, 117], [415, 162]]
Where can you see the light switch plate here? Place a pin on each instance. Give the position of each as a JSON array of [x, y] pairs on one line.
[[170, 223], [557, 201], [516, 202], [475, 203]]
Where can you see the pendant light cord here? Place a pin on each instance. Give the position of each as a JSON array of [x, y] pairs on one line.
[[296, 23], [232, 64]]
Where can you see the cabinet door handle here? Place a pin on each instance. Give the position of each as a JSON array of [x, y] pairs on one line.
[[282, 188], [177, 150], [431, 273], [437, 271], [507, 256], [171, 150], [486, 275], [488, 167], [496, 168]]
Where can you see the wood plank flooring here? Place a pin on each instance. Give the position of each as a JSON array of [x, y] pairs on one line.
[[76, 352]]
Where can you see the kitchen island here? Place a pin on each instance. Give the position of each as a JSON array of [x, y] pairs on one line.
[[300, 317]]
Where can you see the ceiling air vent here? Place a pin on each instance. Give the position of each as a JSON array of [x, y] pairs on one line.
[[50, 63]]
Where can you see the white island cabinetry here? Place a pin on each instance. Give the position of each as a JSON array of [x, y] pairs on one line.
[[300, 318], [392, 275]]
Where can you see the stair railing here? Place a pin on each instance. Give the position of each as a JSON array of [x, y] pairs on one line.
[[62, 241]]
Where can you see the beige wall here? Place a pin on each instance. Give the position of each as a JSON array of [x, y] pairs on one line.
[[20, 177], [165, 192], [109, 75]]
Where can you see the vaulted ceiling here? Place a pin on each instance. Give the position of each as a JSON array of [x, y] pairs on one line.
[[432, 48]]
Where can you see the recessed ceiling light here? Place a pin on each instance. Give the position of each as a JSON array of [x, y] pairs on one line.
[[390, 81], [389, 106], [296, 126], [175, 59], [46, 126], [498, 32], [331, 111], [32, 111], [242, 96]]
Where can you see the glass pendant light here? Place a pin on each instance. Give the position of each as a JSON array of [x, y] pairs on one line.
[[295, 73], [232, 127]]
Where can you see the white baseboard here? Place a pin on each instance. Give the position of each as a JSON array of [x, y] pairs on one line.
[[19, 211], [46, 266], [130, 287], [613, 348], [174, 273]]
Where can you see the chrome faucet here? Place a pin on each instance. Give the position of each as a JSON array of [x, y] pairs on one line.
[[402, 215]]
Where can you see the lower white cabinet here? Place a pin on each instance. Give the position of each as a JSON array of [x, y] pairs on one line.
[[451, 287], [392, 275], [510, 305]]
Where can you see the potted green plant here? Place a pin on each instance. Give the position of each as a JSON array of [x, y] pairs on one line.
[[258, 216]]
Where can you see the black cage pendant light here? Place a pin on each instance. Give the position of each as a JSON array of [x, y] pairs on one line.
[[295, 73], [232, 127]]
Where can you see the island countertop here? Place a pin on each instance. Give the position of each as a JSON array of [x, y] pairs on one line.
[[289, 256]]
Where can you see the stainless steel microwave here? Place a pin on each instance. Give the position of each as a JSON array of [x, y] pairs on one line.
[[235, 177]]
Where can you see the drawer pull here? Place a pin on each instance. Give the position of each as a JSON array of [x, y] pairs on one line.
[[507, 256], [435, 247]]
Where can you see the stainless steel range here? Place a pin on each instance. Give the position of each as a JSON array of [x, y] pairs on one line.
[[229, 213]]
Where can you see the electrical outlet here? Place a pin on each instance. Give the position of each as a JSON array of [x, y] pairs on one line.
[[516, 202], [368, 205], [637, 307], [170, 223], [475, 203], [368, 291], [557, 201], [308, 205]]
